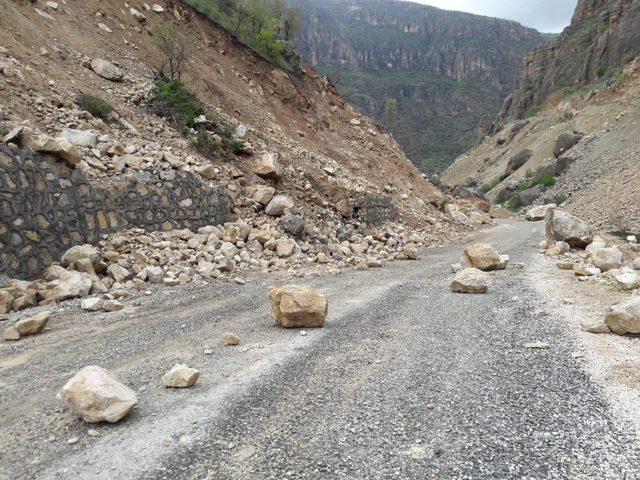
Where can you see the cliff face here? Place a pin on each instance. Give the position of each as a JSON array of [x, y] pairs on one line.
[[426, 74], [602, 38]]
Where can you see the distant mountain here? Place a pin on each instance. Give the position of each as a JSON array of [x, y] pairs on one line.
[[428, 75]]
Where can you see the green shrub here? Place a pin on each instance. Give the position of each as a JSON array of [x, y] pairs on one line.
[[567, 116], [559, 199], [487, 187], [602, 70], [95, 106], [514, 204], [545, 180], [206, 145], [173, 101], [532, 111]]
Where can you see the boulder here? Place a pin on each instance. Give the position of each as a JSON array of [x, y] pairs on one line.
[[263, 194], [628, 280], [107, 70], [10, 334], [155, 274], [32, 325], [411, 251], [79, 252], [562, 226], [72, 285], [92, 304], [606, 258], [97, 395], [278, 205], [298, 306], [558, 248], [80, 138], [565, 142], [518, 160], [470, 280], [284, 248], [119, 273], [482, 256], [266, 165], [59, 146], [536, 214], [624, 317], [180, 376]]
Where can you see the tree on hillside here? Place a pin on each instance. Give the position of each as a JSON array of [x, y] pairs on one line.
[[175, 48], [390, 111]]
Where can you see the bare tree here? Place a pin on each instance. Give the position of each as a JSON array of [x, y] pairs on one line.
[[175, 48]]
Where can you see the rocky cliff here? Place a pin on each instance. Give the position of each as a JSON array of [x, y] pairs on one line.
[[427, 74], [602, 38]]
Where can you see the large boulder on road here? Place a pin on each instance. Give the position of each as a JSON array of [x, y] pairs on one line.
[[97, 395], [482, 256], [624, 317], [470, 280], [298, 306], [564, 227]]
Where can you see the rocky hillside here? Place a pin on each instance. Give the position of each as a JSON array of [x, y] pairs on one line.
[[581, 153], [580, 141], [602, 38], [427, 75], [96, 151]]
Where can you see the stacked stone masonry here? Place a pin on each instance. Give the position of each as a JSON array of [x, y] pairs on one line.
[[46, 207]]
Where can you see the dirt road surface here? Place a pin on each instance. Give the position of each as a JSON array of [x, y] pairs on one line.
[[406, 381]]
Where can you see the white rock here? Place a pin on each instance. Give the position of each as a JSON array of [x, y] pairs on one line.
[[535, 214], [72, 284], [606, 258], [562, 226], [97, 395], [278, 205], [80, 138], [628, 281], [470, 280], [92, 304]]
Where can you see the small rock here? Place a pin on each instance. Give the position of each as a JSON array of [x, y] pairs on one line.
[[112, 306], [229, 339], [595, 327], [536, 345], [180, 376], [470, 280]]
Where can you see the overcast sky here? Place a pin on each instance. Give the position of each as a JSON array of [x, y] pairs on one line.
[[545, 15]]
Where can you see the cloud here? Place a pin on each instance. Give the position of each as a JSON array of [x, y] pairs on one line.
[[545, 15]]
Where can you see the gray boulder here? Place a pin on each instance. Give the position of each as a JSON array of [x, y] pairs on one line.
[[564, 227], [565, 142]]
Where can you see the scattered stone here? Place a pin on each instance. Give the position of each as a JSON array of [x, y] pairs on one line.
[[595, 327], [97, 395], [278, 205], [624, 317], [180, 376], [632, 239], [80, 138], [470, 280], [32, 325], [266, 165], [504, 262], [107, 70], [558, 248], [73, 440], [536, 345], [298, 306], [411, 251], [208, 352], [565, 265], [628, 280], [482, 256], [11, 333], [292, 224], [229, 339], [456, 267], [112, 306], [606, 258]]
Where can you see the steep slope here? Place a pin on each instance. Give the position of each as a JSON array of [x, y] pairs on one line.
[[602, 38], [582, 148], [428, 75], [133, 170]]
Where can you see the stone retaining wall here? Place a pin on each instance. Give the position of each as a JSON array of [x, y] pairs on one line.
[[46, 207], [374, 209]]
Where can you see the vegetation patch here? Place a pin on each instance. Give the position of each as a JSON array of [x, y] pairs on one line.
[[487, 187], [96, 106], [174, 102], [268, 26]]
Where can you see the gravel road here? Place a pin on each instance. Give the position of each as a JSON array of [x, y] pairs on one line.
[[406, 381]]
